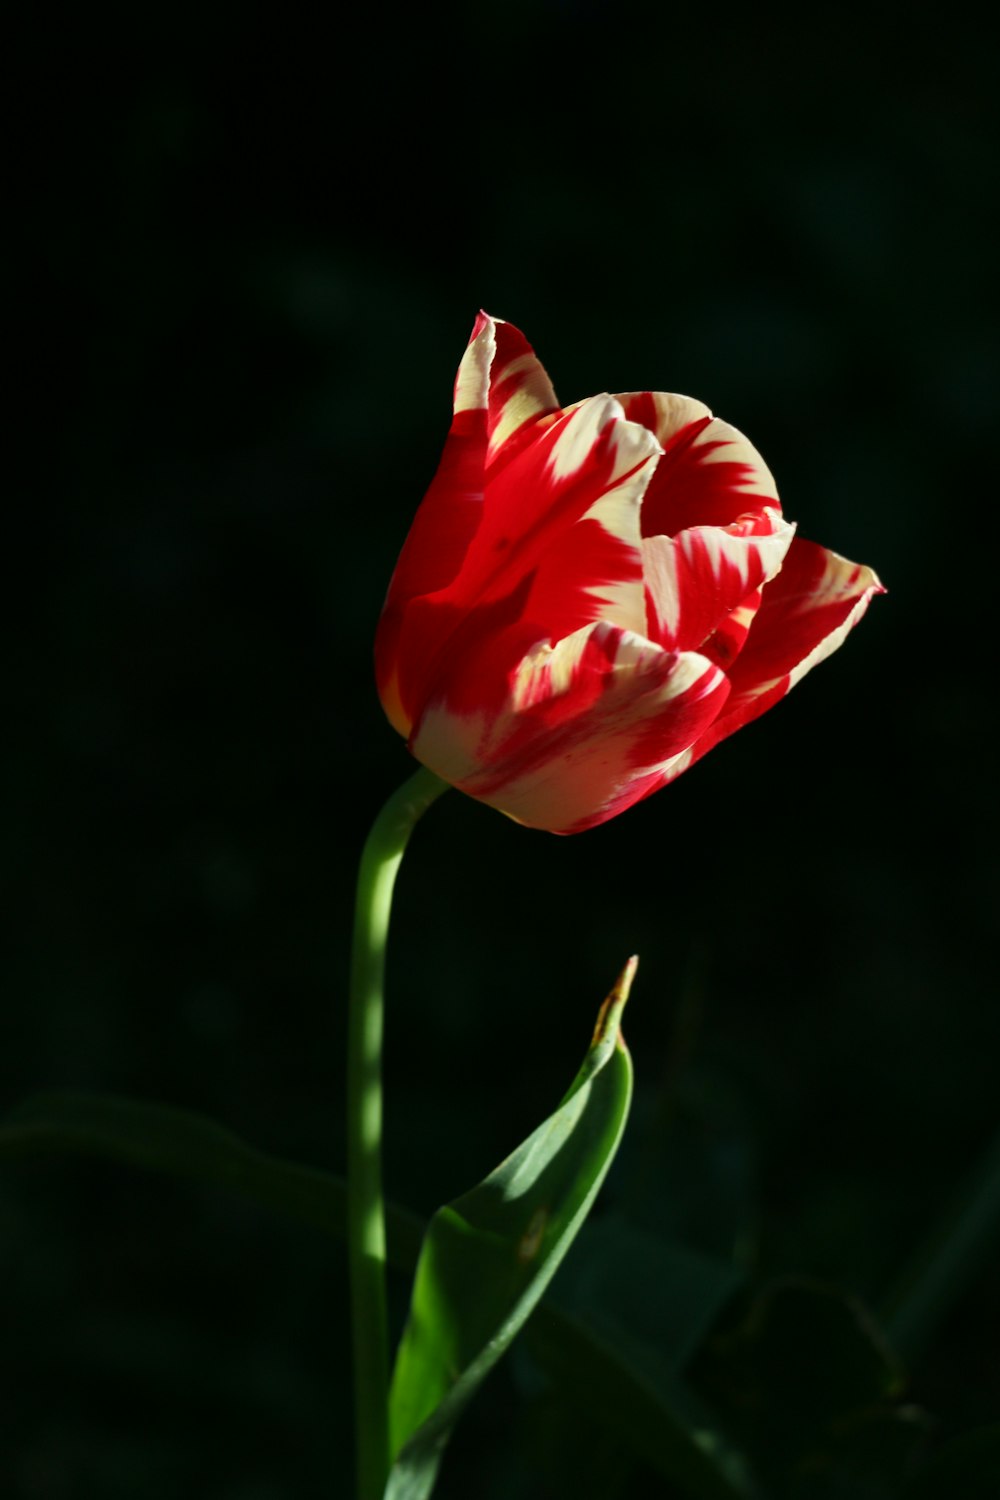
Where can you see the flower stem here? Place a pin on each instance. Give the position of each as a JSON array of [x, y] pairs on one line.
[[380, 861]]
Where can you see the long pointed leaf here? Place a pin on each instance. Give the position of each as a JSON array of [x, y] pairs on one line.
[[488, 1256], [649, 1411], [194, 1147]]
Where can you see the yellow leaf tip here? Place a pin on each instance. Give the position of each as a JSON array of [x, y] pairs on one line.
[[610, 1016]]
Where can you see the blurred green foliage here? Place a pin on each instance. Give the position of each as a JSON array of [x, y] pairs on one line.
[[248, 250]]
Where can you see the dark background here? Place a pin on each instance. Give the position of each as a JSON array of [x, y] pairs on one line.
[[248, 252]]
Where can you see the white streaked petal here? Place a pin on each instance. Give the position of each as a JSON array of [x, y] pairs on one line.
[[472, 383], [548, 671], [586, 729], [663, 412], [755, 559], [530, 394], [838, 567], [659, 567], [579, 433], [697, 578], [723, 444]]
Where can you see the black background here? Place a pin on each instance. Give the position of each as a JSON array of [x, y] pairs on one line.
[[247, 254]]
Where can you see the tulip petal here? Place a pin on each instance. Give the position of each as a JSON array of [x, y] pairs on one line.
[[472, 382], [588, 727], [501, 390], [728, 638], [451, 510], [664, 413], [806, 613], [697, 579], [709, 473], [520, 392], [566, 511], [558, 548], [446, 521]]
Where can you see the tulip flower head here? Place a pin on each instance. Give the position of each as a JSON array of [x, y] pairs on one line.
[[591, 597]]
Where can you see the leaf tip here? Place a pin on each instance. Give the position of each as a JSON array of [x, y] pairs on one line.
[[608, 1028]]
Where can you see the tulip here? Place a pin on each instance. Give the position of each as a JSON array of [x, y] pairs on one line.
[[591, 597]]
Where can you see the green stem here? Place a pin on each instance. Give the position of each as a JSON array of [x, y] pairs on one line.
[[380, 862]]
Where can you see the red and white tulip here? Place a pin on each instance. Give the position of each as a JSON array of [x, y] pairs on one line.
[[591, 597]]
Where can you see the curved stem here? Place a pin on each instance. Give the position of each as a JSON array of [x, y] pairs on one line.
[[380, 862]]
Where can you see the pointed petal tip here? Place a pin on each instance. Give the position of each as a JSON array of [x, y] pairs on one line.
[[489, 320], [869, 585], [865, 579]]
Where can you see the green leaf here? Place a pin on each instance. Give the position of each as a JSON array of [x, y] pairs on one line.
[[645, 1293], [957, 1251], [636, 1307], [488, 1256], [639, 1407], [635, 1398], [688, 1171], [194, 1147]]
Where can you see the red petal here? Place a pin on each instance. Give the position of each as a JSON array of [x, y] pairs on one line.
[[446, 520], [697, 579], [558, 548], [709, 473], [585, 729], [806, 613], [520, 393], [501, 391]]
